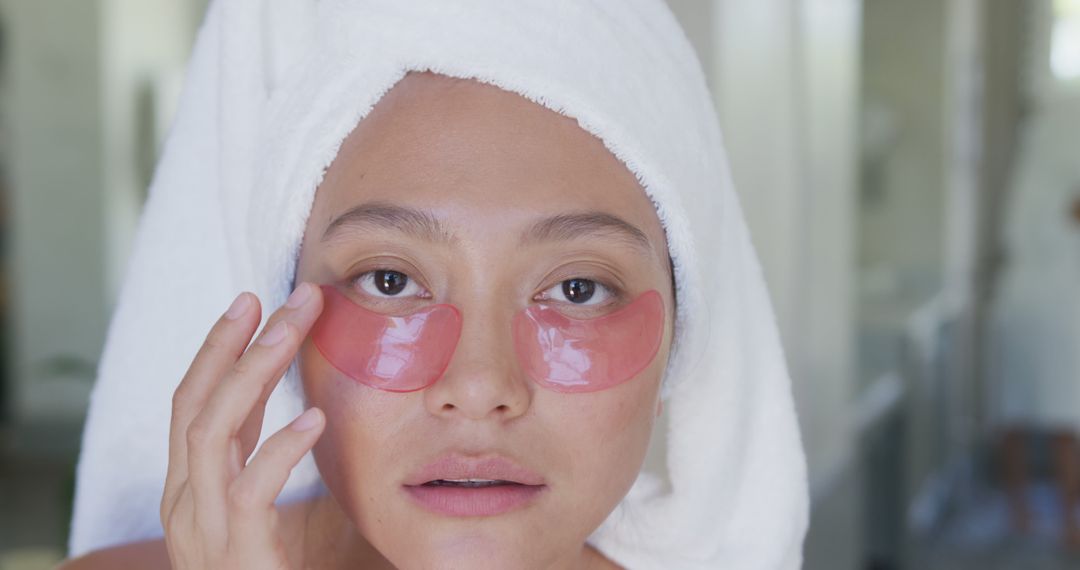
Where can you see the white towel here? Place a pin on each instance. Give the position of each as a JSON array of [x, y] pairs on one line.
[[273, 88]]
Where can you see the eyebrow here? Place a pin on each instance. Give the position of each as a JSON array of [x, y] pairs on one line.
[[381, 215], [423, 225], [565, 227]]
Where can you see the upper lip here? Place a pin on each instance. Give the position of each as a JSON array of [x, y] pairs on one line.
[[456, 466]]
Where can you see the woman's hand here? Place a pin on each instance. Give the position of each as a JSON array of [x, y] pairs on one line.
[[218, 509]]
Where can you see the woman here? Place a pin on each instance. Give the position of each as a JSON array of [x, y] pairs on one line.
[[560, 170]]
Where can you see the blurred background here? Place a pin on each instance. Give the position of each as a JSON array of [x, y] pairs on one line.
[[909, 170]]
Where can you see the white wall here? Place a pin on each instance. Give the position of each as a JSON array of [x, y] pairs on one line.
[[902, 217], [56, 209], [77, 151]]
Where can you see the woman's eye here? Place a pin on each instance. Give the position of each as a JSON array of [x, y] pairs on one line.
[[579, 292], [387, 283]]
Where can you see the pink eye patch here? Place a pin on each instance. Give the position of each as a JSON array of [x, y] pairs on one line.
[[396, 354], [410, 352], [586, 355]]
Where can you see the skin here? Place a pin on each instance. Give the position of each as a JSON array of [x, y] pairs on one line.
[[487, 164]]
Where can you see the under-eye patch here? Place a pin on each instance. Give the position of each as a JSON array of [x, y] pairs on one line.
[[585, 355], [393, 353], [410, 352]]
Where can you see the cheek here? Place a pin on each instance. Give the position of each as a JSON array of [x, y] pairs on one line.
[[609, 433], [605, 435], [361, 423]]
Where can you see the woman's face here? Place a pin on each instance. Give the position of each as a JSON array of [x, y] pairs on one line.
[[451, 191]]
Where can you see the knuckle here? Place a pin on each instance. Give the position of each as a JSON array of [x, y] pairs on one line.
[[274, 451], [242, 498], [243, 367], [164, 510], [217, 339], [171, 520], [198, 434], [181, 398]]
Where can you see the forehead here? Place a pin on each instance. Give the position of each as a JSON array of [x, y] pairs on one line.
[[480, 158]]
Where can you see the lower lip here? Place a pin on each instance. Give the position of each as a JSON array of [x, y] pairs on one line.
[[474, 502]]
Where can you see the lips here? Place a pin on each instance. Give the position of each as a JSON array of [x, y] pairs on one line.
[[460, 486]]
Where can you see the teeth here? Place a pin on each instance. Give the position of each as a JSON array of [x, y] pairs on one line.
[[468, 482]]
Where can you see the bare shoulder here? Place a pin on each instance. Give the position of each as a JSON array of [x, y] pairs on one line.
[[597, 560], [149, 555]]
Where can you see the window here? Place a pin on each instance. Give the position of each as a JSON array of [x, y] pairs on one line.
[[1065, 41]]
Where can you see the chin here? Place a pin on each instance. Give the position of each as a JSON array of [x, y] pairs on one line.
[[474, 557], [475, 545]]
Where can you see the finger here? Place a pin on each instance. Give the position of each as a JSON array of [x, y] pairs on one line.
[[213, 448], [248, 435], [304, 316], [252, 494], [223, 346]]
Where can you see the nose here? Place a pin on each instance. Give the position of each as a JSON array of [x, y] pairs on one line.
[[483, 380]]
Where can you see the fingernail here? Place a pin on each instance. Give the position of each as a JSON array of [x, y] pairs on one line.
[[299, 296], [274, 335], [306, 420], [238, 307]]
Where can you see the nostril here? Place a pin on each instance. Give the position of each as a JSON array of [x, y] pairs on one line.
[[447, 407]]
